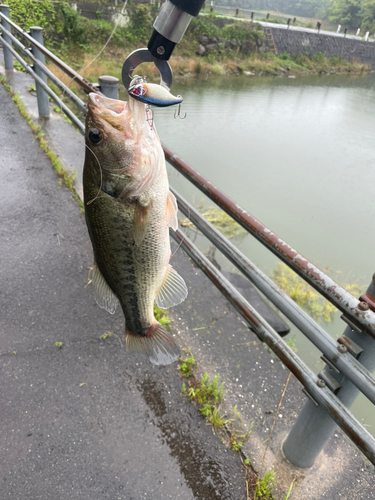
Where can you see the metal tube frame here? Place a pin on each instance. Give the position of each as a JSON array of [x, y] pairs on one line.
[[41, 95], [4, 24], [314, 386], [71, 95], [348, 365], [50, 92]]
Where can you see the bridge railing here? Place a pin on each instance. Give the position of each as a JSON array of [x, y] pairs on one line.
[[349, 361]]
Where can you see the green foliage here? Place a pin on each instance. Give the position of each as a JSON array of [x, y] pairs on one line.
[[28, 13], [292, 343], [106, 335], [65, 175], [221, 220], [346, 12], [140, 26], [208, 395], [163, 317], [186, 364], [265, 485], [303, 294], [59, 345], [237, 436], [367, 15], [18, 66], [73, 28]]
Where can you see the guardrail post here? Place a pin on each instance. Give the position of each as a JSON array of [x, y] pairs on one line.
[[314, 426], [109, 86], [41, 95], [8, 57]]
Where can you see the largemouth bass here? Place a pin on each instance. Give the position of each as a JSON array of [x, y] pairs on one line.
[[128, 210]]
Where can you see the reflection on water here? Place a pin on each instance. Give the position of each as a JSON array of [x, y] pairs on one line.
[[298, 154]]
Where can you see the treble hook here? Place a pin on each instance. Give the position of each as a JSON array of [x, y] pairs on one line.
[[150, 119], [177, 113]]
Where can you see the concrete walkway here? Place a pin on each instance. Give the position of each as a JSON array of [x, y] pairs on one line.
[[89, 421]]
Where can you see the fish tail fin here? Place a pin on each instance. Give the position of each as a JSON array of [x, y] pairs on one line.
[[157, 344]]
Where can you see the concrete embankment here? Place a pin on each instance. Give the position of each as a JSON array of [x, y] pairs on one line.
[[89, 421], [295, 42]]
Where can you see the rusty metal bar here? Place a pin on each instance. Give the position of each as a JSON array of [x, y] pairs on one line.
[[316, 387], [350, 367], [325, 285]]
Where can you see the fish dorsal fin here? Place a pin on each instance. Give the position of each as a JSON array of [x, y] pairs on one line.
[[172, 210], [103, 295], [141, 215], [173, 290]]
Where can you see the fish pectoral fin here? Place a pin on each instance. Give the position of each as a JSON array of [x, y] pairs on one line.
[[103, 295], [156, 343], [173, 290], [141, 215], [172, 210]]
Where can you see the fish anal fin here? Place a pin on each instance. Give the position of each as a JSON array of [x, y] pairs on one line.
[[157, 344], [141, 215], [172, 210], [173, 290], [103, 294]]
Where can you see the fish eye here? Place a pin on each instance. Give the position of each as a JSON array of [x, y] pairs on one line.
[[95, 136]]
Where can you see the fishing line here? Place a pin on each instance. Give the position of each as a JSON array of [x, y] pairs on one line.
[[104, 46], [109, 39], [101, 176]]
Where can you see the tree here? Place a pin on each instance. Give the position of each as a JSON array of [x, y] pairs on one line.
[[367, 14], [346, 12]]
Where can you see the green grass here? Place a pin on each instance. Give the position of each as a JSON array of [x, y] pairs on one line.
[[266, 485], [66, 176], [106, 335], [163, 317], [59, 345], [306, 296], [186, 364], [237, 437]]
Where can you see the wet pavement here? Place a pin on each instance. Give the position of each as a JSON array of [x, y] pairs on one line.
[[87, 420]]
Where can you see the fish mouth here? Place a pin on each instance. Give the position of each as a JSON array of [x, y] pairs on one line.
[[111, 111], [100, 103]]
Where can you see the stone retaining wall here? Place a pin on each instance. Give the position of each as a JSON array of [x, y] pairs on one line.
[[301, 42]]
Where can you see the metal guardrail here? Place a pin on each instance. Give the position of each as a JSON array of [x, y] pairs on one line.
[[349, 361]]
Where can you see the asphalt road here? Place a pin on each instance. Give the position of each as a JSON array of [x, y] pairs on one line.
[[85, 421]]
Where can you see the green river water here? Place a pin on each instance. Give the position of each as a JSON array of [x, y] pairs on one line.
[[299, 155]]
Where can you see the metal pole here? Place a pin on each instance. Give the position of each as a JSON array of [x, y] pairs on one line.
[[41, 95], [314, 426], [344, 361], [109, 86], [8, 58], [315, 387]]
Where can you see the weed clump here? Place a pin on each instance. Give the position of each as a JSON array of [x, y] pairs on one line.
[[208, 395], [265, 485], [186, 365], [163, 317]]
